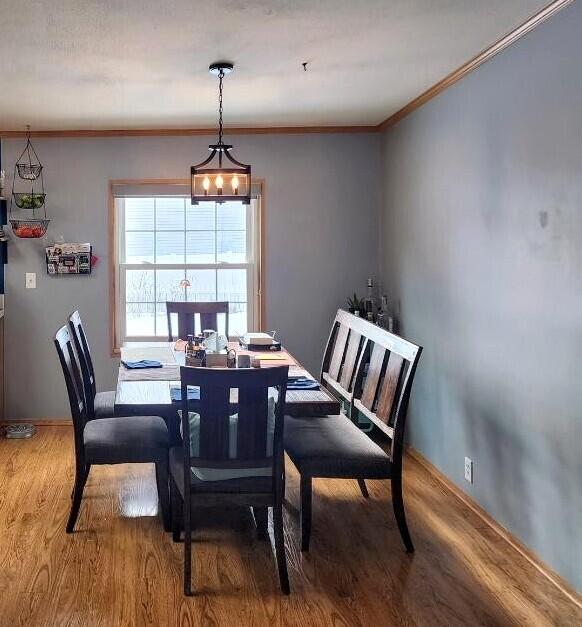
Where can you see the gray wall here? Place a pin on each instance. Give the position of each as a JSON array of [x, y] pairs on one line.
[[482, 246], [322, 207]]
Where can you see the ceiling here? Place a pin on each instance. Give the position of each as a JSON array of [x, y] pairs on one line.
[[139, 64]]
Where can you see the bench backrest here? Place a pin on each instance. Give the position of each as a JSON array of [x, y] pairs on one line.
[[373, 369], [342, 354]]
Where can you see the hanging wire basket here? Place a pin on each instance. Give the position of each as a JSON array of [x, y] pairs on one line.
[[29, 171], [30, 229], [29, 168], [26, 200], [28, 165]]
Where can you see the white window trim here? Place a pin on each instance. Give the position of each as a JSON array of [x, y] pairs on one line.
[[254, 246]]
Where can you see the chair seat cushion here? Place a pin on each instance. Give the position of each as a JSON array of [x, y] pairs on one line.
[[332, 446], [104, 404], [126, 439], [254, 484]]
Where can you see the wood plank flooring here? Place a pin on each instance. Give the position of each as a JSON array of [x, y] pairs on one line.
[[121, 569]]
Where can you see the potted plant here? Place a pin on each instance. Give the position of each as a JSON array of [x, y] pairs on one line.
[[356, 304]]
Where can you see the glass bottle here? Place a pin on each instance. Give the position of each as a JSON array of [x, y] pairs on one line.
[[370, 301], [382, 318]]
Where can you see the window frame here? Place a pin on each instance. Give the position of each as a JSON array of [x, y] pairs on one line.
[[255, 300]]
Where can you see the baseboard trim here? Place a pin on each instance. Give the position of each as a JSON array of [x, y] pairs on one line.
[[526, 552], [39, 422]]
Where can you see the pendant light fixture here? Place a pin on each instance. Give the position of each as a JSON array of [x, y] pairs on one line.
[[220, 178]]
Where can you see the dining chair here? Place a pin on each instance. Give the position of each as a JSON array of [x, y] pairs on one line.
[[231, 458], [121, 440], [187, 311], [99, 404], [334, 447]]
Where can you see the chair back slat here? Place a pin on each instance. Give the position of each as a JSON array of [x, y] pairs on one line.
[[351, 358], [74, 384], [253, 413], [85, 361], [388, 387], [208, 321], [186, 312], [214, 421], [339, 348], [250, 404], [373, 378]]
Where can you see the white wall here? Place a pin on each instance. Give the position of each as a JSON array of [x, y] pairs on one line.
[[322, 208]]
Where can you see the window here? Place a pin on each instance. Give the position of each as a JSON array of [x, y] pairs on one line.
[[168, 249]]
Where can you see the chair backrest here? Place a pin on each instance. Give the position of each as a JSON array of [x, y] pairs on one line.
[[87, 371], [187, 317], [74, 384], [215, 408], [342, 353], [383, 382]]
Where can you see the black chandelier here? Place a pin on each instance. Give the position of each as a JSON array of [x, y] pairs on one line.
[[220, 184]]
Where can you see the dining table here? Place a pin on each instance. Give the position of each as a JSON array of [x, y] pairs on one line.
[[150, 391]]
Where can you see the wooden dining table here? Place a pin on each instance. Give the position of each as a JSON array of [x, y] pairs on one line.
[[148, 391]]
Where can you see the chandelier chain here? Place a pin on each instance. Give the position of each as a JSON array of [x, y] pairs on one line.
[[220, 77]]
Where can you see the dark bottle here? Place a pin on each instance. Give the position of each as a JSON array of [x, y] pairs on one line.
[[190, 351]]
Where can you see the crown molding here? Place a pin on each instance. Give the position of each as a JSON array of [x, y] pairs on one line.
[[188, 132], [485, 55]]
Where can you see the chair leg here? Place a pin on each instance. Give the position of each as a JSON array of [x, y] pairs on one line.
[[176, 510], [81, 475], [398, 505], [280, 548], [187, 551], [86, 473], [163, 492], [363, 488], [261, 519], [305, 495]]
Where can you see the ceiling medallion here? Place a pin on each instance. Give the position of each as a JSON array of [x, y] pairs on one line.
[[211, 181]]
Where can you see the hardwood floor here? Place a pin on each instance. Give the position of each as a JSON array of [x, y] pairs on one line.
[[119, 568]]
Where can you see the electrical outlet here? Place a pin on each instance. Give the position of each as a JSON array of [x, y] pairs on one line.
[[30, 280], [469, 469]]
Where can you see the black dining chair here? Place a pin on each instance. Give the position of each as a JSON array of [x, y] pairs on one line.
[[333, 446], [186, 312], [99, 404], [122, 440], [231, 458]]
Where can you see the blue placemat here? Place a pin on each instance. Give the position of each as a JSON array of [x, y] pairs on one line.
[[176, 394], [142, 363], [302, 383]]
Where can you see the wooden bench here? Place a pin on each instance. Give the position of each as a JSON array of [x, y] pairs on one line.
[[371, 370]]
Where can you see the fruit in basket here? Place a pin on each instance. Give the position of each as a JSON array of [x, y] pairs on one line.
[[26, 201], [29, 231], [30, 201]]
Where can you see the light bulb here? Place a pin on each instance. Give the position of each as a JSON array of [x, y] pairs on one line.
[[219, 184], [206, 185], [234, 183]]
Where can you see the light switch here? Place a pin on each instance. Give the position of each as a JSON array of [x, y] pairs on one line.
[[30, 281]]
